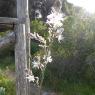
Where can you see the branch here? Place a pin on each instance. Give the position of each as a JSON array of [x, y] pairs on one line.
[[7, 20], [7, 40]]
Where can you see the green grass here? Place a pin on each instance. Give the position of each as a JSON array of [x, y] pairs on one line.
[[8, 84], [81, 88], [51, 82], [6, 67], [7, 62], [69, 86]]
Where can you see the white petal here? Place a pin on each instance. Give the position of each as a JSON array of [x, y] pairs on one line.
[[30, 78]]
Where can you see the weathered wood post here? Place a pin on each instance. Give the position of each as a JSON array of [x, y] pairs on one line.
[[22, 47]]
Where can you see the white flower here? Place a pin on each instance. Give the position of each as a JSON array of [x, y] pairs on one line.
[[49, 59], [42, 46], [59, 35], [60, 38], [60, 30], [30, 78], [55, 19], [35, 64]]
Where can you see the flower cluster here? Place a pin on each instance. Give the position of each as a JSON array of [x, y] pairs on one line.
[[55, 30], [40, 62], [54, 20]]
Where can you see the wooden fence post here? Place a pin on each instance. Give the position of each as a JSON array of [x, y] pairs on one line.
[[20, 60], [22, 47]]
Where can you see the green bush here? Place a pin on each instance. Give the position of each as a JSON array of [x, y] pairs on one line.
[[39, 27]]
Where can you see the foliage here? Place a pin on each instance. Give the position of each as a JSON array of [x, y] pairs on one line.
[[40, 27], [72, 70], [2, 91], [74, 58], [7, 84], [7, 62], [72, 88], [6, 68]]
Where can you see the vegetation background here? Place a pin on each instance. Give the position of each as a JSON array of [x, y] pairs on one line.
[[72, 71]]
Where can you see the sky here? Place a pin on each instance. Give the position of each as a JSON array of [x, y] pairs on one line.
[[89, 5]]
